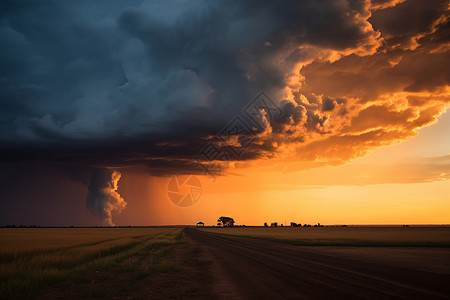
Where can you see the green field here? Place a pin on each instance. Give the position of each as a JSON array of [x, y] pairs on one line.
[[34, 258], [346, 236]]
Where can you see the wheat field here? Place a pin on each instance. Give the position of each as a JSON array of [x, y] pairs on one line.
[[34, 258]]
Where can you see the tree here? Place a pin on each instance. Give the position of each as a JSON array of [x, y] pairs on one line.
[[226, 221], [274, 224], [265, 224]]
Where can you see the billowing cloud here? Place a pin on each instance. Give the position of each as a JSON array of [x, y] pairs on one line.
[[103, 199], [152, 83]]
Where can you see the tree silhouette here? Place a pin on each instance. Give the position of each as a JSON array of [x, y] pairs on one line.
[[226, 221]]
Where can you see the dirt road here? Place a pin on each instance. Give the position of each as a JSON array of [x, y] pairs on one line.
[[260, 269]]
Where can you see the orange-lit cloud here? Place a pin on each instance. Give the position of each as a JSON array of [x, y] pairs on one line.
[[382, 4]]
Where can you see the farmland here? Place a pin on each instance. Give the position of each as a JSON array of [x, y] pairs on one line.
[[207, 263], [346, 236], [32, 259]]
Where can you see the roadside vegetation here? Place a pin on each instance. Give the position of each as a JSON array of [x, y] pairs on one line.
[[33, 259]]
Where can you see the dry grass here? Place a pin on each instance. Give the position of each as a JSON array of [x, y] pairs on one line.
[[31, 259], [25, 239], [347, 236]]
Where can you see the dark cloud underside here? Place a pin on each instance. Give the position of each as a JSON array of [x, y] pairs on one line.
[[151, 83]]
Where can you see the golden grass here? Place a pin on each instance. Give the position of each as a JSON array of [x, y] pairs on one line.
[[24, 239], [33, 258], [346, 236]]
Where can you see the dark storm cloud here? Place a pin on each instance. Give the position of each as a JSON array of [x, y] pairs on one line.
[[80, 80], [407, 20], [150, 83]]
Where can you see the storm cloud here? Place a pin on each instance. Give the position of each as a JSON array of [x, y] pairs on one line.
[[103, 199], [114, 84]]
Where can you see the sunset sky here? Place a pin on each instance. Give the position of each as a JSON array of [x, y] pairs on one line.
[[332, 111]]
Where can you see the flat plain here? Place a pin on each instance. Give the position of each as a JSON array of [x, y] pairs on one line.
[[346, 236], [225, 263]]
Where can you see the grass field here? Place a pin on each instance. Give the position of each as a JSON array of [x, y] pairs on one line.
[[34, 258], [347, 236]]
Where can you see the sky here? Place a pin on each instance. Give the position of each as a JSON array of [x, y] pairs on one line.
[[179, 111]]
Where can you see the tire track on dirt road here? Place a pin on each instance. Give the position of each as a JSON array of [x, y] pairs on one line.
[[261, 269]]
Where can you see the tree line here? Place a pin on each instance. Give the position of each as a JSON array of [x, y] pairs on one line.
[[293, 224]]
